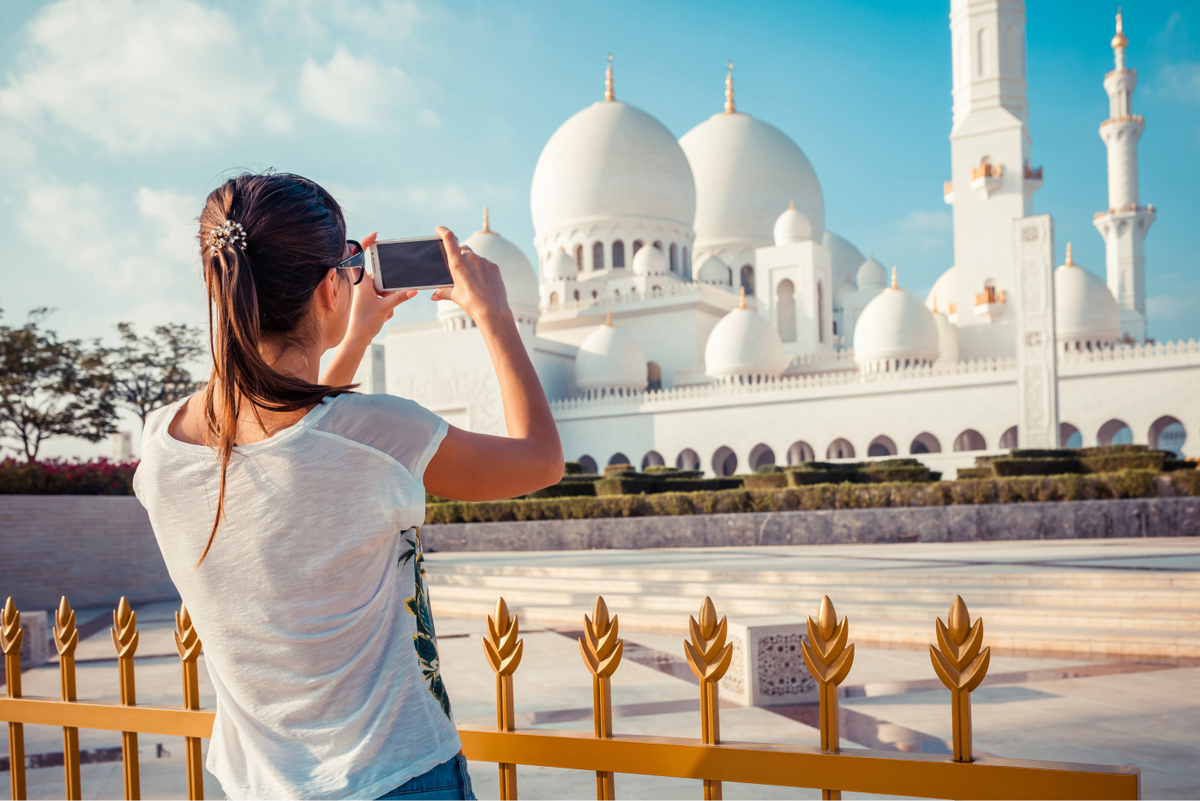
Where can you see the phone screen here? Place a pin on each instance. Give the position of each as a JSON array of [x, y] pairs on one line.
[[413, 263]]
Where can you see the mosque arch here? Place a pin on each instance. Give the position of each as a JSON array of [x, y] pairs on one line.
[[724, 461], [576, 294], [799, 452], [925, 443], [673, 258], [761, 455], [970, 440], [658, 244], [840, 449], [553, 298], [1167, 434], [618, 458], [579, 257], [1069, 436], [688, 459], [618, 255], [598, 256], [653, 376], [652, 459], [1008, 440], [785, 310], [747, 279], [1114, 432], [587, 463], [881, 446]]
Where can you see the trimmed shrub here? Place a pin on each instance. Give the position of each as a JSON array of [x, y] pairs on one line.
[[1033, 466], [768, 468], [1110, 462], [976, 472], [619, 469], [63, 477], [761, 481], [567, 489], [572, 469]]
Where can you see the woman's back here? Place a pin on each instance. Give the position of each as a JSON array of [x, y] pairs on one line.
[[314, 617]]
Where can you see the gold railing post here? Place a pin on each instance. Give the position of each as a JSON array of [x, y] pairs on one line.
[[708, 655], [829, 660], [961, 666], [503, 648], [125, 638], [66, 637], [601, 652], [187, 642], [11, 635]]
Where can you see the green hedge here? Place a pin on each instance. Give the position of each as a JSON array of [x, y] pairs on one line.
[[1125, 484], [62, 477]]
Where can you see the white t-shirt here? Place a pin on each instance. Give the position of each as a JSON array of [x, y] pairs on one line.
[[311, 605]]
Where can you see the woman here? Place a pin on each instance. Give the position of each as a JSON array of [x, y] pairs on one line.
[[287, 507]]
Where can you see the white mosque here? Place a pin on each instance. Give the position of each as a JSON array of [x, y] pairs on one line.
[[693, 309]]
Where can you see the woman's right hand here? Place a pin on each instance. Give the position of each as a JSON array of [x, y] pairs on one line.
[[478, 287]]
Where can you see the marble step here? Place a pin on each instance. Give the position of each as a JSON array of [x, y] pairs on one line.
[[1083, 643], [1064, 612], [751, 589]]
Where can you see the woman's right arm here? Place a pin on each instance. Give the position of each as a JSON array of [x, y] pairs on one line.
[[479, 467]]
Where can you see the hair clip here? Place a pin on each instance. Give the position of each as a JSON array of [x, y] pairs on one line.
[[226, 234]]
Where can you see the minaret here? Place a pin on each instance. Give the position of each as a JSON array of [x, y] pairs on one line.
[[992, 182], [1125, 223]]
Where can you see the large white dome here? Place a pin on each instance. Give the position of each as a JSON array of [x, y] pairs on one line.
[[746, 170], [611, 160], [520, 280], [1084, 308], [743, 343], [844, 258], [610, 359], [895, 330]]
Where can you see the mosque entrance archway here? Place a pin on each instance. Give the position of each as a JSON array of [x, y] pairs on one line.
[[652, 459], [970, 440], [839, 449], [688, 459], [1114, 432], [1008, 440], [1168, 434], [799, 452], [881, 446], [1069, 436], [619, 458], [724, 462], [925, 443], [747, 275], [587, 463], [761, 456]]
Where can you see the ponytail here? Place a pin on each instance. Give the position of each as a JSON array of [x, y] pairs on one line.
[[267, 242]]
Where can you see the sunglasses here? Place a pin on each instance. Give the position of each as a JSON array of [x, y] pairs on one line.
[[357, 262]]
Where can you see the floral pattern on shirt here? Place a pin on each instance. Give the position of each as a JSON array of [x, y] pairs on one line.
[[425, 640]]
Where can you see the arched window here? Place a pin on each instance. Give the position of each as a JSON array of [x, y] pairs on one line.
[[579, 256], [576, 294], [553, 298], [980, 39], [1114, 432], [687, 265], [595, 294], [1168, 434], [658, 245], [673, 258], [925, 443], [588, 464], [820, 312], [970, 440], [598, 256], [881, 446], [800, 452], [724, 462], [761, 456], [618, 458], [1069, 436], [748, 279], [785, 310], [637, 245], [652, 459], [618, 255], [1008, 440], [839, 449], [688, 459], [653, 377]]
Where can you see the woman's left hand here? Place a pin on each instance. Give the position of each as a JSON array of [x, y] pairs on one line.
[[369, 310]]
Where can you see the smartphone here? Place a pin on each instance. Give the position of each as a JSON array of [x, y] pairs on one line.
[[418, 263]]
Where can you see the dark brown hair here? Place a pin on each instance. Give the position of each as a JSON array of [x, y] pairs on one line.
[[260, 290]]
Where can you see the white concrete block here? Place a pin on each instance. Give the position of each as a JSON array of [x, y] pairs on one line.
[[767, 667], [35, 645]]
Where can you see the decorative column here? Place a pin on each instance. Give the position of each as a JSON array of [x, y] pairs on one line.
[[1037, 365]]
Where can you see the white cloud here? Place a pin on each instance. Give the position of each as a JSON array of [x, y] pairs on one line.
[[387, 20], [174, 215], [429, 118], [924, 230], [1181, 81], [138, 74], [355, 92]]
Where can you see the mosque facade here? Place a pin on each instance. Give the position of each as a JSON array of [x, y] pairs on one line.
[[690, 307]]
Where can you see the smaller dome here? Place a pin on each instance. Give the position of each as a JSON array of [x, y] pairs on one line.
[[520, 280], [844, 258], [792, 227], [947, 340], [942, 297], [1084, 309], [714, 271], [895, 328], [610, 359], [847, 288], [649, 260], [744, 343], [871, 275], [561, 267]]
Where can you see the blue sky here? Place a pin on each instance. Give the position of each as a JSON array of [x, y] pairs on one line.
[[118, 116]]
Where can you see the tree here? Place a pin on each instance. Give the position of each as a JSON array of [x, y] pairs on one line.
[[150, 372], [51, 387]]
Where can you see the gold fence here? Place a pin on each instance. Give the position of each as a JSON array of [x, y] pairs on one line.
[[959, 659]]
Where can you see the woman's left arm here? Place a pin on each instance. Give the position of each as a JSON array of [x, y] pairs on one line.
[[368, 312]]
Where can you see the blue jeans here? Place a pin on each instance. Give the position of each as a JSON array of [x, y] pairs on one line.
[[447, 780]]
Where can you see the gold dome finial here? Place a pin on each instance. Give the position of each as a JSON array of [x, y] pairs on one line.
[[741, 297], [1119, 40], [486, 228], [608, 318], [1069, 262], [792, 205], [934, 309], [729, 107], [894, 284], [608, 86]]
